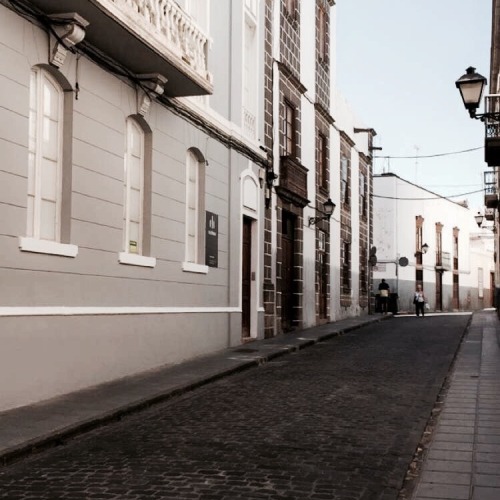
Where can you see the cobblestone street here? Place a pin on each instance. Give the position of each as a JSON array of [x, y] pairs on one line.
[[338, 420]]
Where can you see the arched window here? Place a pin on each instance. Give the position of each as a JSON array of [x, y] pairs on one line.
[[137, 196], [49, 165], [45, 157], [195, 212], [134, 188]]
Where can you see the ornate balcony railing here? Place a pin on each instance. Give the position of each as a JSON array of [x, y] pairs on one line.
[[144, 36], [166, 21], [490, 189], [492, 130]]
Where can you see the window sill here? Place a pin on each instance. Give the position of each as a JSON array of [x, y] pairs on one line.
[[132, 259], [191, 267], [47, 247]]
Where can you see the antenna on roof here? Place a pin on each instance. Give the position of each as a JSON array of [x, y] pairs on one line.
[[417, 149]]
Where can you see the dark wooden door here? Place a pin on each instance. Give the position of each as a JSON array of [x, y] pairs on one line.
[[492, 289], [456, 298], [246, 277], [323, 275], [439, 291], [288, 272]]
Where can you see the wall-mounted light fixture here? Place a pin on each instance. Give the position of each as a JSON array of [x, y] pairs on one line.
[[479, 219], [270, 178], [423, 249], [328, 208]]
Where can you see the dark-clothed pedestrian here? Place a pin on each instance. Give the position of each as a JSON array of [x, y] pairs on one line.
[[419, 301], [384, 290]]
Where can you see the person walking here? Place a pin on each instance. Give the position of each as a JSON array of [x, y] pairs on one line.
[[419, 301], [384, 289]]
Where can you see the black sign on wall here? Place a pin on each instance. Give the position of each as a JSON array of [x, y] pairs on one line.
[[212, 240]]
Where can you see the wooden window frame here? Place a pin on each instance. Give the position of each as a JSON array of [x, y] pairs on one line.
[[290, 129]]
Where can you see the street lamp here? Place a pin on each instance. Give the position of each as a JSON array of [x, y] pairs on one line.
[[471, 86], [479, 219], [328, 208], [425, 247]]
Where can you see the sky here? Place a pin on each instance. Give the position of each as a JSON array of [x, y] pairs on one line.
[[397, 63]]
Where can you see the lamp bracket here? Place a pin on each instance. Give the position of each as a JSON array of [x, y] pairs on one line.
[[485, 116], [315, 220]]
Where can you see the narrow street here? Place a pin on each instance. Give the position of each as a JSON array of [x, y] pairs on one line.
[[338, 420]]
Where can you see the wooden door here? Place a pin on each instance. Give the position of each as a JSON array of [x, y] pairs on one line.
[[246, 278], [323, 275], [492, 289], [288, 272], [439, 291]]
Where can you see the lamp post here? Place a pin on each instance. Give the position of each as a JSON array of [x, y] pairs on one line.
[[328, 208], [425, 247]]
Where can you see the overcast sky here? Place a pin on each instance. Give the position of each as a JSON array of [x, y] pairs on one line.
[[397, 63]]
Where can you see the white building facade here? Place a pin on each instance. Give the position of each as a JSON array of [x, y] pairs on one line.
[[165, 169], [131, 207], [423, 238]]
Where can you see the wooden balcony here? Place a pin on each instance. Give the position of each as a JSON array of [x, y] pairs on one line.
[[490, 190], [489, 214], [144, 36], [293, 181]]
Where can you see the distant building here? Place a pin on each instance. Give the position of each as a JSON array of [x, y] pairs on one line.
[[423, 238]]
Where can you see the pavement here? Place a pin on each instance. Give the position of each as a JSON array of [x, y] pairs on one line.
[[461, 460], [32, 428]]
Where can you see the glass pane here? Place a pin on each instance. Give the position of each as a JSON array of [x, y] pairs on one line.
[[47, 220], [50, 139], [191, 222], [50, 99], [31, 215], [135, 139], [49, 180], [135, 172], [134, 205], [191, 255], [191, 194], [134, 242]]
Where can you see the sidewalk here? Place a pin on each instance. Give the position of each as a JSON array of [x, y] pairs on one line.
[[462, 461], [31, 428]]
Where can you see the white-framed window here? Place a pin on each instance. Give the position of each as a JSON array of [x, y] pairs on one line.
[[48, 222], [135, 251], [45, 157], [195, 213], [134, 187]]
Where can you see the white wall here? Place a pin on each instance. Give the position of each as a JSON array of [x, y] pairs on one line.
[[396, 205]]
